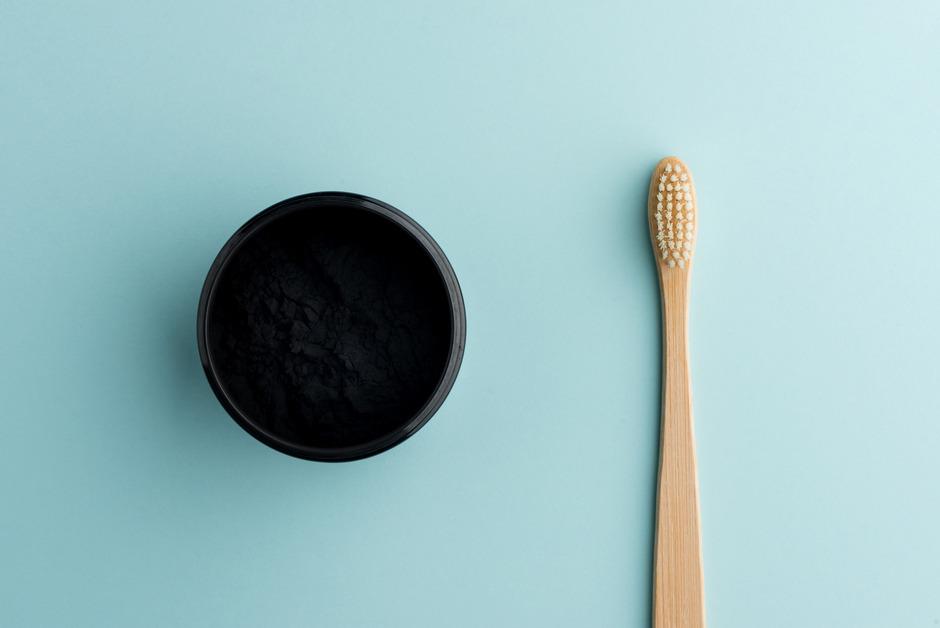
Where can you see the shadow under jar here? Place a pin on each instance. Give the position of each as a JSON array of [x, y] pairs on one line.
[[331, 326]]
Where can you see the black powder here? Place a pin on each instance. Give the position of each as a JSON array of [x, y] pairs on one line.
[[329, 327]]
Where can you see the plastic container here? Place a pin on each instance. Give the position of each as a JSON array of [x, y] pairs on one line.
[[331, 326]]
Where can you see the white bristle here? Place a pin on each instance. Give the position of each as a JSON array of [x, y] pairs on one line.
[[674, 216]]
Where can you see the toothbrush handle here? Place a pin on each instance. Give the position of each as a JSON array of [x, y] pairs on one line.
[[678, 597]]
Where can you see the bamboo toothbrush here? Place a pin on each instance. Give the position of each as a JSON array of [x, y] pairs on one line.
[[678, 600]]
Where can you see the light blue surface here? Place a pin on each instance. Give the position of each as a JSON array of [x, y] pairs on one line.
[[137, 136]]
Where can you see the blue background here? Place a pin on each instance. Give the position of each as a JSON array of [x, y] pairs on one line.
[[137, 136]]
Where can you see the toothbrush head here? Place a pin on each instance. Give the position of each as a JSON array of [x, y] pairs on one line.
[[673, 212]]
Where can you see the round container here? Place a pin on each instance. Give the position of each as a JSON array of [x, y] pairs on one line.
[[331, 326]]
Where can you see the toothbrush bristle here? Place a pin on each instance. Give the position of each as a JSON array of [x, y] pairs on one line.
[[672, 208]]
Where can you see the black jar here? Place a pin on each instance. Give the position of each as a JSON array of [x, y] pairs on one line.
[[331, 326]]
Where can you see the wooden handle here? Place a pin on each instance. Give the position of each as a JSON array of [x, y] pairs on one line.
[[678, 599]]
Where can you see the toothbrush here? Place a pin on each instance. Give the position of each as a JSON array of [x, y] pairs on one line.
[[678, 597]]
